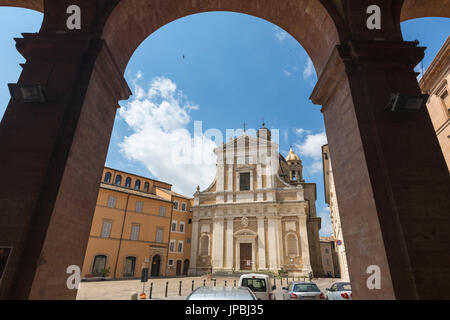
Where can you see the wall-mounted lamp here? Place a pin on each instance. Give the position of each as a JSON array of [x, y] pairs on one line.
[[406, 102], [28, 93]]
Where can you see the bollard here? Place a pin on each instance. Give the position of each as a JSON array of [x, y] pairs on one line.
[[179, 290], [151, 291], [281, 280], [167, 288], [235, 283], [134, 296], [204, 282], [225, 283], [214, 282], [192, 285]]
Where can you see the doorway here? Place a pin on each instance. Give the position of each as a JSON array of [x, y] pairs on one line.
[[246, 256], [185, 267], [179, 267], [156, 265]]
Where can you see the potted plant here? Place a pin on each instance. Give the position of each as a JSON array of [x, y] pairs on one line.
[[105, 273]]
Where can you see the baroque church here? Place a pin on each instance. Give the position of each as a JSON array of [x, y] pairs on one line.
[[258, 214]]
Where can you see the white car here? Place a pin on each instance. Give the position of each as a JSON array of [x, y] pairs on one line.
[[340, 291], [260, 284], [221, 293]]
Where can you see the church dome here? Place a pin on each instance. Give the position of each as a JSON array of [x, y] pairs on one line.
[[292, 156]]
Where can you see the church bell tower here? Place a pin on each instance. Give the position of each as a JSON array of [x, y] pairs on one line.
[[295, 167]]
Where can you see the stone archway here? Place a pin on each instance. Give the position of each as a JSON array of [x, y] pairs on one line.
[[37, 5], [393, 215]]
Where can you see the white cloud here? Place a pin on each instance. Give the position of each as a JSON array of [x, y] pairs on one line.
[[326, 229], [280, 34], [287, 73], [308, 70], [311, 146], [300, 132], [158, 118]]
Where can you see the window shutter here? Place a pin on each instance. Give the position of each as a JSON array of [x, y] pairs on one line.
[[162, 211], [135, 232], [112, 202], [106, 229], [159, 235]]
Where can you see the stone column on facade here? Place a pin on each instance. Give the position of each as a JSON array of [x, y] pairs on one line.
[[272, 242], [220, 178], [217, 243], [304, 245], [261, 243], [260, 195], [194, 248], [229, 244], [280, 246]]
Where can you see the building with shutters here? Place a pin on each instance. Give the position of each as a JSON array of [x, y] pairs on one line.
[[131, 228], [258, 213], [435, 82], [180, 232]]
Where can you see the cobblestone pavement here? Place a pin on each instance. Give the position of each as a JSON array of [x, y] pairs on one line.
[[123, 289]]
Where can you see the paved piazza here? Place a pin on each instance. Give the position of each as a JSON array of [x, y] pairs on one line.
[[123, 289]]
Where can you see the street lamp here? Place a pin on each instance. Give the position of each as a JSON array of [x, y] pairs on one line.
[[406, 102], [27, 93]]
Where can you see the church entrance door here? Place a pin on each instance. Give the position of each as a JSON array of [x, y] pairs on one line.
[[246, 256]]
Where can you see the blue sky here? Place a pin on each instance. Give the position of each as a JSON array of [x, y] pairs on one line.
[[239, 68]]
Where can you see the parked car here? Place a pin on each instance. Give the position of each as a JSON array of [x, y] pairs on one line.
[[340, 291], [260, 284], [222, 293], [299, 290]]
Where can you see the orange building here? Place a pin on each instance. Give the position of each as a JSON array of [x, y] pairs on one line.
[[180, 232], [131, 228]]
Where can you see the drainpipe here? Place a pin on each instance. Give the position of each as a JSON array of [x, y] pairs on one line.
[[121, 235], [168, 241]]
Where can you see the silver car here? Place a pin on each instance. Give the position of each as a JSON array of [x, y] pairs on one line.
[[222, 293], [299, 290], [340, 291]]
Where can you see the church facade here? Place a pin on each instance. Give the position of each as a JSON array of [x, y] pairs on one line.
[[258, 214]]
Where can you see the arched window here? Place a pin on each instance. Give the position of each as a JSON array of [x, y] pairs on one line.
[[129, 266], [99, 265], [146, 186], [107, 177], [137, 185], [204, 245], [128, 182], [118, 180], [291, 244]]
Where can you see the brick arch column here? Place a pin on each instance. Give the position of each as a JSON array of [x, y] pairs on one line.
[[392, 186], [53, 154], [391, 180]]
